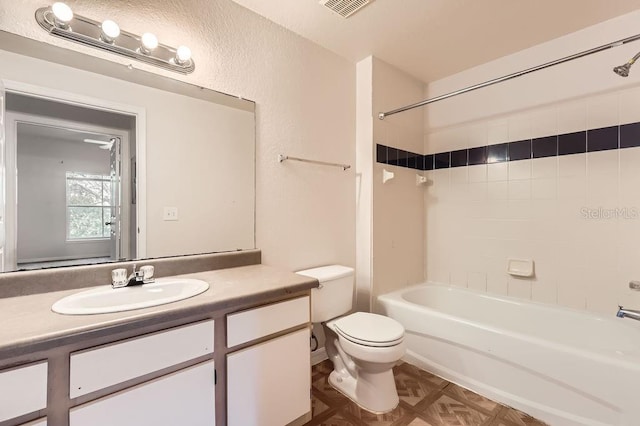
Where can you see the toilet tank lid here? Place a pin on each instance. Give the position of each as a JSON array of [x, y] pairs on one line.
[[327, 273]]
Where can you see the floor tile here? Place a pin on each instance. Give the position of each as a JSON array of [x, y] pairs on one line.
[[425, 400], [519, 418], [369, 418], [411, 389], [473, 398], [446, 411]]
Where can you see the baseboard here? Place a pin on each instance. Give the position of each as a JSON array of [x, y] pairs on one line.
[[318, 356]]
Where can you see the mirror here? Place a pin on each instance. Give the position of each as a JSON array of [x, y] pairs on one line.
[[102, 169]]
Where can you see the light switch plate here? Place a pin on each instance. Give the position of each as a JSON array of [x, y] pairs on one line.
[[170, 213]]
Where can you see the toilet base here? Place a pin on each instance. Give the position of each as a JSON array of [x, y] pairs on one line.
[[374, 392]]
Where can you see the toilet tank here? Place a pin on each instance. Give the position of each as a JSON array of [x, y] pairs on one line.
[[334, 297]]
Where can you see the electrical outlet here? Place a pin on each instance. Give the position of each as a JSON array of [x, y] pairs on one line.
[[170, 213]]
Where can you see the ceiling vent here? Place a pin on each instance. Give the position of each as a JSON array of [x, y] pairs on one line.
[[345, 8]]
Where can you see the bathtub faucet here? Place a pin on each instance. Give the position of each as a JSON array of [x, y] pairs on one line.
[[628, 313]]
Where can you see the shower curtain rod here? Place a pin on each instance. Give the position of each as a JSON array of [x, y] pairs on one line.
[[636, 37]]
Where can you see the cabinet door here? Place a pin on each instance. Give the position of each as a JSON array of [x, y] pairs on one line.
[[269, 384], [186, 397], [23, 390]]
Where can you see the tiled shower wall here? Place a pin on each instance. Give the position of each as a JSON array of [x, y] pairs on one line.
[[577, 216]]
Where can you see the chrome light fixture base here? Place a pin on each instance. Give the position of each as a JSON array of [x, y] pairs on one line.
[[88, 32]]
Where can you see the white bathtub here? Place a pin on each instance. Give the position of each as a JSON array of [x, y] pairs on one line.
[[562, 366]]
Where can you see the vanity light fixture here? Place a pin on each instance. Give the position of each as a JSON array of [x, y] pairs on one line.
[[149, 42], [62, 14], [60, 21], [109, 31]]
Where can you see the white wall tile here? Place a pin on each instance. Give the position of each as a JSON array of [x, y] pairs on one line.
[[519, 169], [520, 288], [478, 173], [497, 132], [477, 281], [497, 283], [498, 190], [497, 171], [544, 122], [544, 189], [572, 288], [458, 278], [519, 127], [544, 167], [572, 116], [572, 165], [571, 188], [520, 189], [629, 105], [602, 111], [544, 291], [459, 175]]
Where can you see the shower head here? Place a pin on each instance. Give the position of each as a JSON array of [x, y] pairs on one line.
[[623, 70]]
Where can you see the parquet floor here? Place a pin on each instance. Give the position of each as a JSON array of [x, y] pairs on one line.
[[425, 400]]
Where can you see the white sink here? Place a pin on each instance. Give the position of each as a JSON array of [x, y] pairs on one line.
[[106, 299]]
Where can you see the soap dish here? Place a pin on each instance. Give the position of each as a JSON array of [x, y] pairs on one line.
[[520, 267]]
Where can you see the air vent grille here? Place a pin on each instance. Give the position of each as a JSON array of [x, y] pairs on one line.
[[345, 8]]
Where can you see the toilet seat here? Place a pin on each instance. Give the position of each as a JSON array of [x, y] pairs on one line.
[[368, 329]]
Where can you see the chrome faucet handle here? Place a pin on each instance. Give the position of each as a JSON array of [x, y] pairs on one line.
[[119, 278]]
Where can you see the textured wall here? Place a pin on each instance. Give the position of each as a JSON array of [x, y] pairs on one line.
[[305, 99], [398, 204]]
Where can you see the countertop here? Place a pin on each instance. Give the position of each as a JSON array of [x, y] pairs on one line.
[[27, 321]]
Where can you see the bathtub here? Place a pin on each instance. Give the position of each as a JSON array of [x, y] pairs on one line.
[[562, 366]]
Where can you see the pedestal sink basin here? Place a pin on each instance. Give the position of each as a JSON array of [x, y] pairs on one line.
[[106, 299]]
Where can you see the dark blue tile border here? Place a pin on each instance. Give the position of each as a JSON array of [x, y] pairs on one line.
[[572, 143], [592, 140], [520, 150]]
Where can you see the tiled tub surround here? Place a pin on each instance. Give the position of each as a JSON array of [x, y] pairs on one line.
[[534, 357], [569, 201]]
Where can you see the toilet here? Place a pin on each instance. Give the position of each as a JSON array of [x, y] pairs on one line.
[[363, 347]]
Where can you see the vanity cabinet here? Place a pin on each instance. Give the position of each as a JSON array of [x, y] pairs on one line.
[[23, 390], [183, 398], [269, 383], [164, 371]]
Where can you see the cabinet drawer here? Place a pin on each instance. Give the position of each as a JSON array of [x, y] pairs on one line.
[[186, 397], [23, 390], [255, 323], [105, 366], [39, 422]]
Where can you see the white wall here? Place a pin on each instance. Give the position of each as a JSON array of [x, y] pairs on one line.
[[305, 99], [478, 216], [42, 208]]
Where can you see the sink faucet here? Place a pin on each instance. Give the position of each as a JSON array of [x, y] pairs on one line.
[[136, 277], [628, 313], [144, 275]]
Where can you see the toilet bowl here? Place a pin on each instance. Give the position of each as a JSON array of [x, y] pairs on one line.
[[363, 347]]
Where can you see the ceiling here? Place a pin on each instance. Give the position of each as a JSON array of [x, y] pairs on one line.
[[431, 39]]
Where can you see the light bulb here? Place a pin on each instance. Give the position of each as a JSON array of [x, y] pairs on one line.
[[149, 43], [62, 14], [183, 55], [110, 31]]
